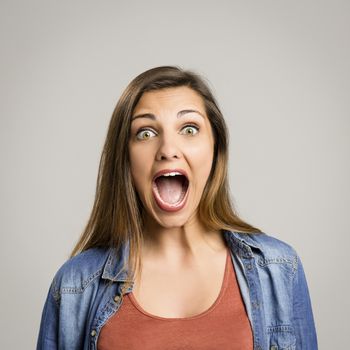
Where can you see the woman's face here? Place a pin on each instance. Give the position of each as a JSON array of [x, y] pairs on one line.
[[168, 136]]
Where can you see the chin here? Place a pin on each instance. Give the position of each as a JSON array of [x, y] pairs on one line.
[[171, 221]]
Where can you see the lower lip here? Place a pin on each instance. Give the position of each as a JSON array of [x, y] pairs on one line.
[[166, 206]]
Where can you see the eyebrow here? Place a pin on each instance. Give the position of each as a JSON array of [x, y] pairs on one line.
[[179, 114]]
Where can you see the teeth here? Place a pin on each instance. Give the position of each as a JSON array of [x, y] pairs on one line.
[[172, 174]]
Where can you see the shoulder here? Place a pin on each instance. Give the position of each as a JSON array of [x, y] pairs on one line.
[[270, 244], [79, 271], [268, 247]]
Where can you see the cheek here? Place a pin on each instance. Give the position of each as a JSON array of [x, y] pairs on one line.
[[140, 168], [202, 159]]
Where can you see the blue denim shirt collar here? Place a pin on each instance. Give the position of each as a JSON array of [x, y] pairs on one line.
[[113, 269], [242, 243]]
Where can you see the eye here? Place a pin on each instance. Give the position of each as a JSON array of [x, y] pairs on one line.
[[190, 129], [144, 134]]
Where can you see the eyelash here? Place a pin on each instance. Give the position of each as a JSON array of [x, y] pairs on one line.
[[187, 125]]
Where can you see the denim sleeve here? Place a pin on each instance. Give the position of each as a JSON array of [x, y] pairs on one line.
[[48, 332], [306, 338]]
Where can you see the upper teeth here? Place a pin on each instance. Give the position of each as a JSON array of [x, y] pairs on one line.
[[172, 174]]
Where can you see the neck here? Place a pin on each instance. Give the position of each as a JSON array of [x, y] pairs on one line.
[[181, 243]]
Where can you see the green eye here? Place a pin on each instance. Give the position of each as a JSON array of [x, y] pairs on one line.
[[145, 132], [191, 129]]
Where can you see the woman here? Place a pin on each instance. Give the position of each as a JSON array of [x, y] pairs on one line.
[[164, 261]]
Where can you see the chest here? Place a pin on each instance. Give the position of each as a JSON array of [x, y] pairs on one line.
[[180, 293]]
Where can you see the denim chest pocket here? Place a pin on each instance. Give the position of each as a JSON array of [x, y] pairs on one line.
[[281, 338]]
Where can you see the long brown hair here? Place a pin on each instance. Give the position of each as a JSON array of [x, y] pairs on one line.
[[117, 215]]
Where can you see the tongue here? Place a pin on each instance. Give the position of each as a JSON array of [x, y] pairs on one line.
[[169, 188]]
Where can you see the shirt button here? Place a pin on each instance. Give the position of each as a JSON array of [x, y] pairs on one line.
[[93, 333], [116, 298], [274, 347]]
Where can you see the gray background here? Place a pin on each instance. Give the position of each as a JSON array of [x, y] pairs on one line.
[[280, 71]]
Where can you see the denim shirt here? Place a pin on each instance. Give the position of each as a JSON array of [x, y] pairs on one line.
[[88, 289]]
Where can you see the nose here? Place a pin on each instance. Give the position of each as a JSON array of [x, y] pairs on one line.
[[168, 149]]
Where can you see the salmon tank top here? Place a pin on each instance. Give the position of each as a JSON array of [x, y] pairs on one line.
[[225, 325]]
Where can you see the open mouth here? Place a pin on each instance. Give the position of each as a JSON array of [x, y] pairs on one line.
[[170, 192]]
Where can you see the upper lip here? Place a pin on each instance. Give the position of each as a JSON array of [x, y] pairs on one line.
[[164, 171]]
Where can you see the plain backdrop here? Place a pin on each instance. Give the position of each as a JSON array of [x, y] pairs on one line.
[[280, 72]]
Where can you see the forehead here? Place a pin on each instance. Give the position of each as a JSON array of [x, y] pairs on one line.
[[173, 97]]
